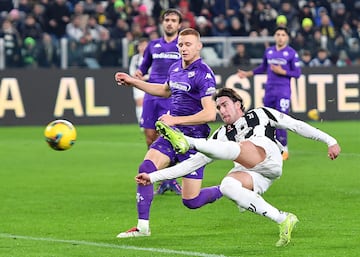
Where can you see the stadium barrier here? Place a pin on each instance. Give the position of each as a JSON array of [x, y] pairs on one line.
[[87, 96]]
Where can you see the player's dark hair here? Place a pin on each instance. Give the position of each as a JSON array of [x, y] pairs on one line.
[[171, 11], [285, 29], [231, 93]]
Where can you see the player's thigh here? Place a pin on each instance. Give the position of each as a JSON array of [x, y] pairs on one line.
[[191, 188], [159, 159], [244, 177], [151, 135], [250, 154]]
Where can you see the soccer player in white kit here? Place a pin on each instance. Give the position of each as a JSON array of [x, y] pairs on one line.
[[248, 139]]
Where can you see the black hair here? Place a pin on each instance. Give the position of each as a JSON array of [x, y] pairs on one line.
[[285, 29], [172, 11], [231, 93]]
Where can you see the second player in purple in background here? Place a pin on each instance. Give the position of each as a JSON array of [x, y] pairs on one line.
[[281, 63], [159, 55]]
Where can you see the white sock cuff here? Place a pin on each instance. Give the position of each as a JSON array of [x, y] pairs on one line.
[[143, 225]]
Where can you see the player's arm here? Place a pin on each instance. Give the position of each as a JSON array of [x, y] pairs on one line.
[[258, 70], [123, 79], [183, 168], [207, 114], [295, 69], [304, 129]]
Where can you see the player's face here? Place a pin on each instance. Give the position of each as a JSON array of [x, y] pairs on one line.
[[171, 24], [228, 110], [281, 38], [189, 47]]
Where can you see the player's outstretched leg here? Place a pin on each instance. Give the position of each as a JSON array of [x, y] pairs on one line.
[[286, 227], [176, 138]]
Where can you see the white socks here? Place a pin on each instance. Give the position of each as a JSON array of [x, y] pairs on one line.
[[143, 225], [249, 200], [223, 150]]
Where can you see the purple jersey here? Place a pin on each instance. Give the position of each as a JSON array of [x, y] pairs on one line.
[[187, 87], [289, 61], [159, 55]]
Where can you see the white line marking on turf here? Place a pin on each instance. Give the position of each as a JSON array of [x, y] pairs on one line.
[[113, 246]]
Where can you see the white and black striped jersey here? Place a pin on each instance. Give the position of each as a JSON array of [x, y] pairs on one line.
[[262, 122]]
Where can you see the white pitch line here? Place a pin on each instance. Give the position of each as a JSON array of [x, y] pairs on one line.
[[113, 246]]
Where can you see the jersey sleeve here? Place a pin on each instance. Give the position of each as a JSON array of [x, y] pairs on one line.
[[294, 66], [183, 168], [283, 121], [206, 82], [262, 68]]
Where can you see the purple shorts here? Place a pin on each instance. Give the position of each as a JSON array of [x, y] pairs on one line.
[[153, 108], [280, 102], [166, 148]]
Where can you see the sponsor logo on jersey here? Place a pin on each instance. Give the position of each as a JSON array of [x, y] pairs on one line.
[[229, 128], [191, 74], [210, 91], [166, 55], [208, 76], [180, 85], [277, 61]]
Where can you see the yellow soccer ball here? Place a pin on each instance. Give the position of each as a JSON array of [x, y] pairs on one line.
[[313, 114], [60, 134]]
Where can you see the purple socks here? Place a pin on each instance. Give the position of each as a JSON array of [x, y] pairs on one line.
[[207, 195], [145, 194]]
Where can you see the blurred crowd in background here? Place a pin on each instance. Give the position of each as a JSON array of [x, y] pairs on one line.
[[324, 32]]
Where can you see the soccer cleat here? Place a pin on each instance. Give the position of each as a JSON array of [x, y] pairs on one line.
[[285, 155], [175, 187], [133, 232], [163, 187], [175, 137], [286, 228]]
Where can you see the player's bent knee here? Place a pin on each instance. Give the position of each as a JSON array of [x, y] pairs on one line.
[[228, 185], [147, 166], [192, 203]]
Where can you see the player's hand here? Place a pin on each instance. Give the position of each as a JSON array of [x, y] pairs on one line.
[[122, 79], [243, 74], [139, 75], [277, 69], [143, 179], [168, 119], [334, 151]]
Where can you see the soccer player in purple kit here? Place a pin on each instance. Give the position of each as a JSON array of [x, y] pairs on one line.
[[281, 62], [159, 55], [190, 86]]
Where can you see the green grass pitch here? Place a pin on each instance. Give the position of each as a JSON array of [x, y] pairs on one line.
[[74, 203]]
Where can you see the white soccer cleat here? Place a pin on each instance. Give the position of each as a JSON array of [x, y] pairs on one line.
[[133, 232]]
